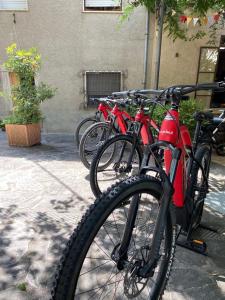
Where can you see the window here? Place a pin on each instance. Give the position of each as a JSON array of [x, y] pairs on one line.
[[206, 70], [218, 98], [102, 5], [101, 84], [13, 5]]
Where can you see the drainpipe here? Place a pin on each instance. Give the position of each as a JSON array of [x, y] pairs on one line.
[[147, 33], [159, 43]]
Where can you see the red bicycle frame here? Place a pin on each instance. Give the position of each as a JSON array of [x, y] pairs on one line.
[[178, 135], [146, 122], [121, 115], [120, 118], [104, 108]]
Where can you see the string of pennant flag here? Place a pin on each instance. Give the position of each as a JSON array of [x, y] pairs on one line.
[[208, 20]]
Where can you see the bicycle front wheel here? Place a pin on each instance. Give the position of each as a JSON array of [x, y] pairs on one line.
[[82, 127], [88, 269], [92, 139], [118, 158]]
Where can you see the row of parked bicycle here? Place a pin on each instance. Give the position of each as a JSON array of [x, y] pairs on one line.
[[124, 245]]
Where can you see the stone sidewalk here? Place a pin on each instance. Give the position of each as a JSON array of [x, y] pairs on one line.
[[44, 190]]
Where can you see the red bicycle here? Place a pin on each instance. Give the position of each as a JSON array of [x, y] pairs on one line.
[[98, 133], [121, 155], [102, 113], [125, 242]]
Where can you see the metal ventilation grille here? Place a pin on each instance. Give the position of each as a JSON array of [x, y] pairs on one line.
[[13, 5], [102, 3], [101, 84]]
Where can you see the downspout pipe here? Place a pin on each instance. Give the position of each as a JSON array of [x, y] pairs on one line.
[[159, 43], [147, 34]]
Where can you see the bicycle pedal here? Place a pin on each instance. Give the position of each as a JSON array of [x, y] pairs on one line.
[[198, 246]]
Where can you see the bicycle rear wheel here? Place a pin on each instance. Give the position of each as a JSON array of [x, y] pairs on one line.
[[92, 139], [199, 182], [81, 128], [88, 269], [118, 158]]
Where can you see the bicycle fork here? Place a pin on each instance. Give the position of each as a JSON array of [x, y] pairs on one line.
[[165, 201], [121, 257]]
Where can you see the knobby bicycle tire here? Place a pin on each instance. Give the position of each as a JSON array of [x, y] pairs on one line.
[[119, 148], [80, 126], [87, 152], [77, 251], [198, 190]]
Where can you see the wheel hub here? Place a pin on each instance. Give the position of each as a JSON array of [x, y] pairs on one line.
[[133, 282], [122, 167]]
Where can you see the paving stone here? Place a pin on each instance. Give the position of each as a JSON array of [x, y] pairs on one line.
[[44, 191]]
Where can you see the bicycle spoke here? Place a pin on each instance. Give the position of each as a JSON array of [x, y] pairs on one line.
[[91, 270]]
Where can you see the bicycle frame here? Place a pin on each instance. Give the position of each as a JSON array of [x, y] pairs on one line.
[[119, 116], [142, 123], [175, 139], [177, 135], [145, 122], [104, 109]]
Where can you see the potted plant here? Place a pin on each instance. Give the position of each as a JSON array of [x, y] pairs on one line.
[[23, 125]]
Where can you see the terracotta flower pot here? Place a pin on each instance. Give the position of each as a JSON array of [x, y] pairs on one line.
[[23, 135]]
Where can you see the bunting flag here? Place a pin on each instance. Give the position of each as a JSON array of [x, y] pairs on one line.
[[173, 12], [189, 19], [195, 21], [205, 21], [183, 19], [210, 20], [216, 17]]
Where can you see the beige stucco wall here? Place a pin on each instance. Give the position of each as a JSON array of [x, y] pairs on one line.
[[183, 69], [70, 42], [179, 59]]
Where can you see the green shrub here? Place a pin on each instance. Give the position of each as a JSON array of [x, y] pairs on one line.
[[26, 95], [187, 109], [2, 125], [22, 286]]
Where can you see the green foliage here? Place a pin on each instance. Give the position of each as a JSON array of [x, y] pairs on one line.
[[25, 63], [187, 109], [22, 286], [26, 96], [175, 8], [2, 125], [128, 10]]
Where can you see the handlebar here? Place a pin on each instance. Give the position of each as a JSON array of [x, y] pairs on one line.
[[175, 92], [186, 89], [133, 93], [121, 101], [102, 99]]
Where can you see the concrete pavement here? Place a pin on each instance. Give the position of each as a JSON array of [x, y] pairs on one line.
[[44, 191]]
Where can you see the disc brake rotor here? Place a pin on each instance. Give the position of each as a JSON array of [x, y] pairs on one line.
[[134, 284]]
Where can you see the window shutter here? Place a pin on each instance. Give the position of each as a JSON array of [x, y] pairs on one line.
[[13, 5], [102, 3], [101, 84]]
